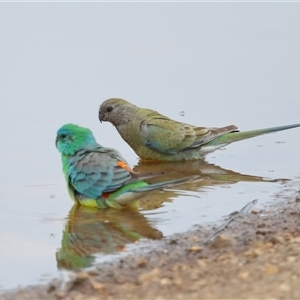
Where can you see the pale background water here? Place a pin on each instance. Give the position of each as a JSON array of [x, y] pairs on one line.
[[220, 63]]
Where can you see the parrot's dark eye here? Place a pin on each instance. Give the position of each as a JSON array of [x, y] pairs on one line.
[[109, 108], [63, 135]]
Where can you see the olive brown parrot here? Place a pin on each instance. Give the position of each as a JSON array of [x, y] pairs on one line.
[[158, 138]]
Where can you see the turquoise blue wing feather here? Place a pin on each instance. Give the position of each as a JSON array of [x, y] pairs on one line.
[[92, 173]]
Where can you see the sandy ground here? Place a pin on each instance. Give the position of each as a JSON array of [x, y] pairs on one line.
[[255, 257]]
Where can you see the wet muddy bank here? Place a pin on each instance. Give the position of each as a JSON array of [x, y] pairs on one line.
[[256, 256]]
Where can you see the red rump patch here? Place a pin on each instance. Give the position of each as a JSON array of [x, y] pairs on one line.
[[105, 195]]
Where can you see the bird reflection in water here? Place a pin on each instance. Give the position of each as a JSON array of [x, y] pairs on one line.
[[208, 175], [89, 231], [92, 230]]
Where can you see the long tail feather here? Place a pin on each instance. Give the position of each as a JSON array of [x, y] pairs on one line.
[[159, 185], [130, 194], [243, 135]]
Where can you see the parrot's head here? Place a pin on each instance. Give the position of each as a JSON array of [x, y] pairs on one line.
[[71, 138], [116, 111]]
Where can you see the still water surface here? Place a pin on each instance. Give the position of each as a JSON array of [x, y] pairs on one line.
[[214, 63], [42, 231]]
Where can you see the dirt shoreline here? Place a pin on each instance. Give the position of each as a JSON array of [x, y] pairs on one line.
[[256, 256]]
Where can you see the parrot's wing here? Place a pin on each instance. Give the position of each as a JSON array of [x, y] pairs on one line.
[[169, 137], [99, 171], [212, 133]]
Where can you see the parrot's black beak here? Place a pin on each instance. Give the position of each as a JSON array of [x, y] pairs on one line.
[[101, 116], [56, 141]]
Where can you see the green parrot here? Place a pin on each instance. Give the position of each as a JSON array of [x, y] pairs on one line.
[[100, 177], [155, 137]]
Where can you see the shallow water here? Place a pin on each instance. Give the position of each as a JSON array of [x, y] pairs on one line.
[[58, 67]]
